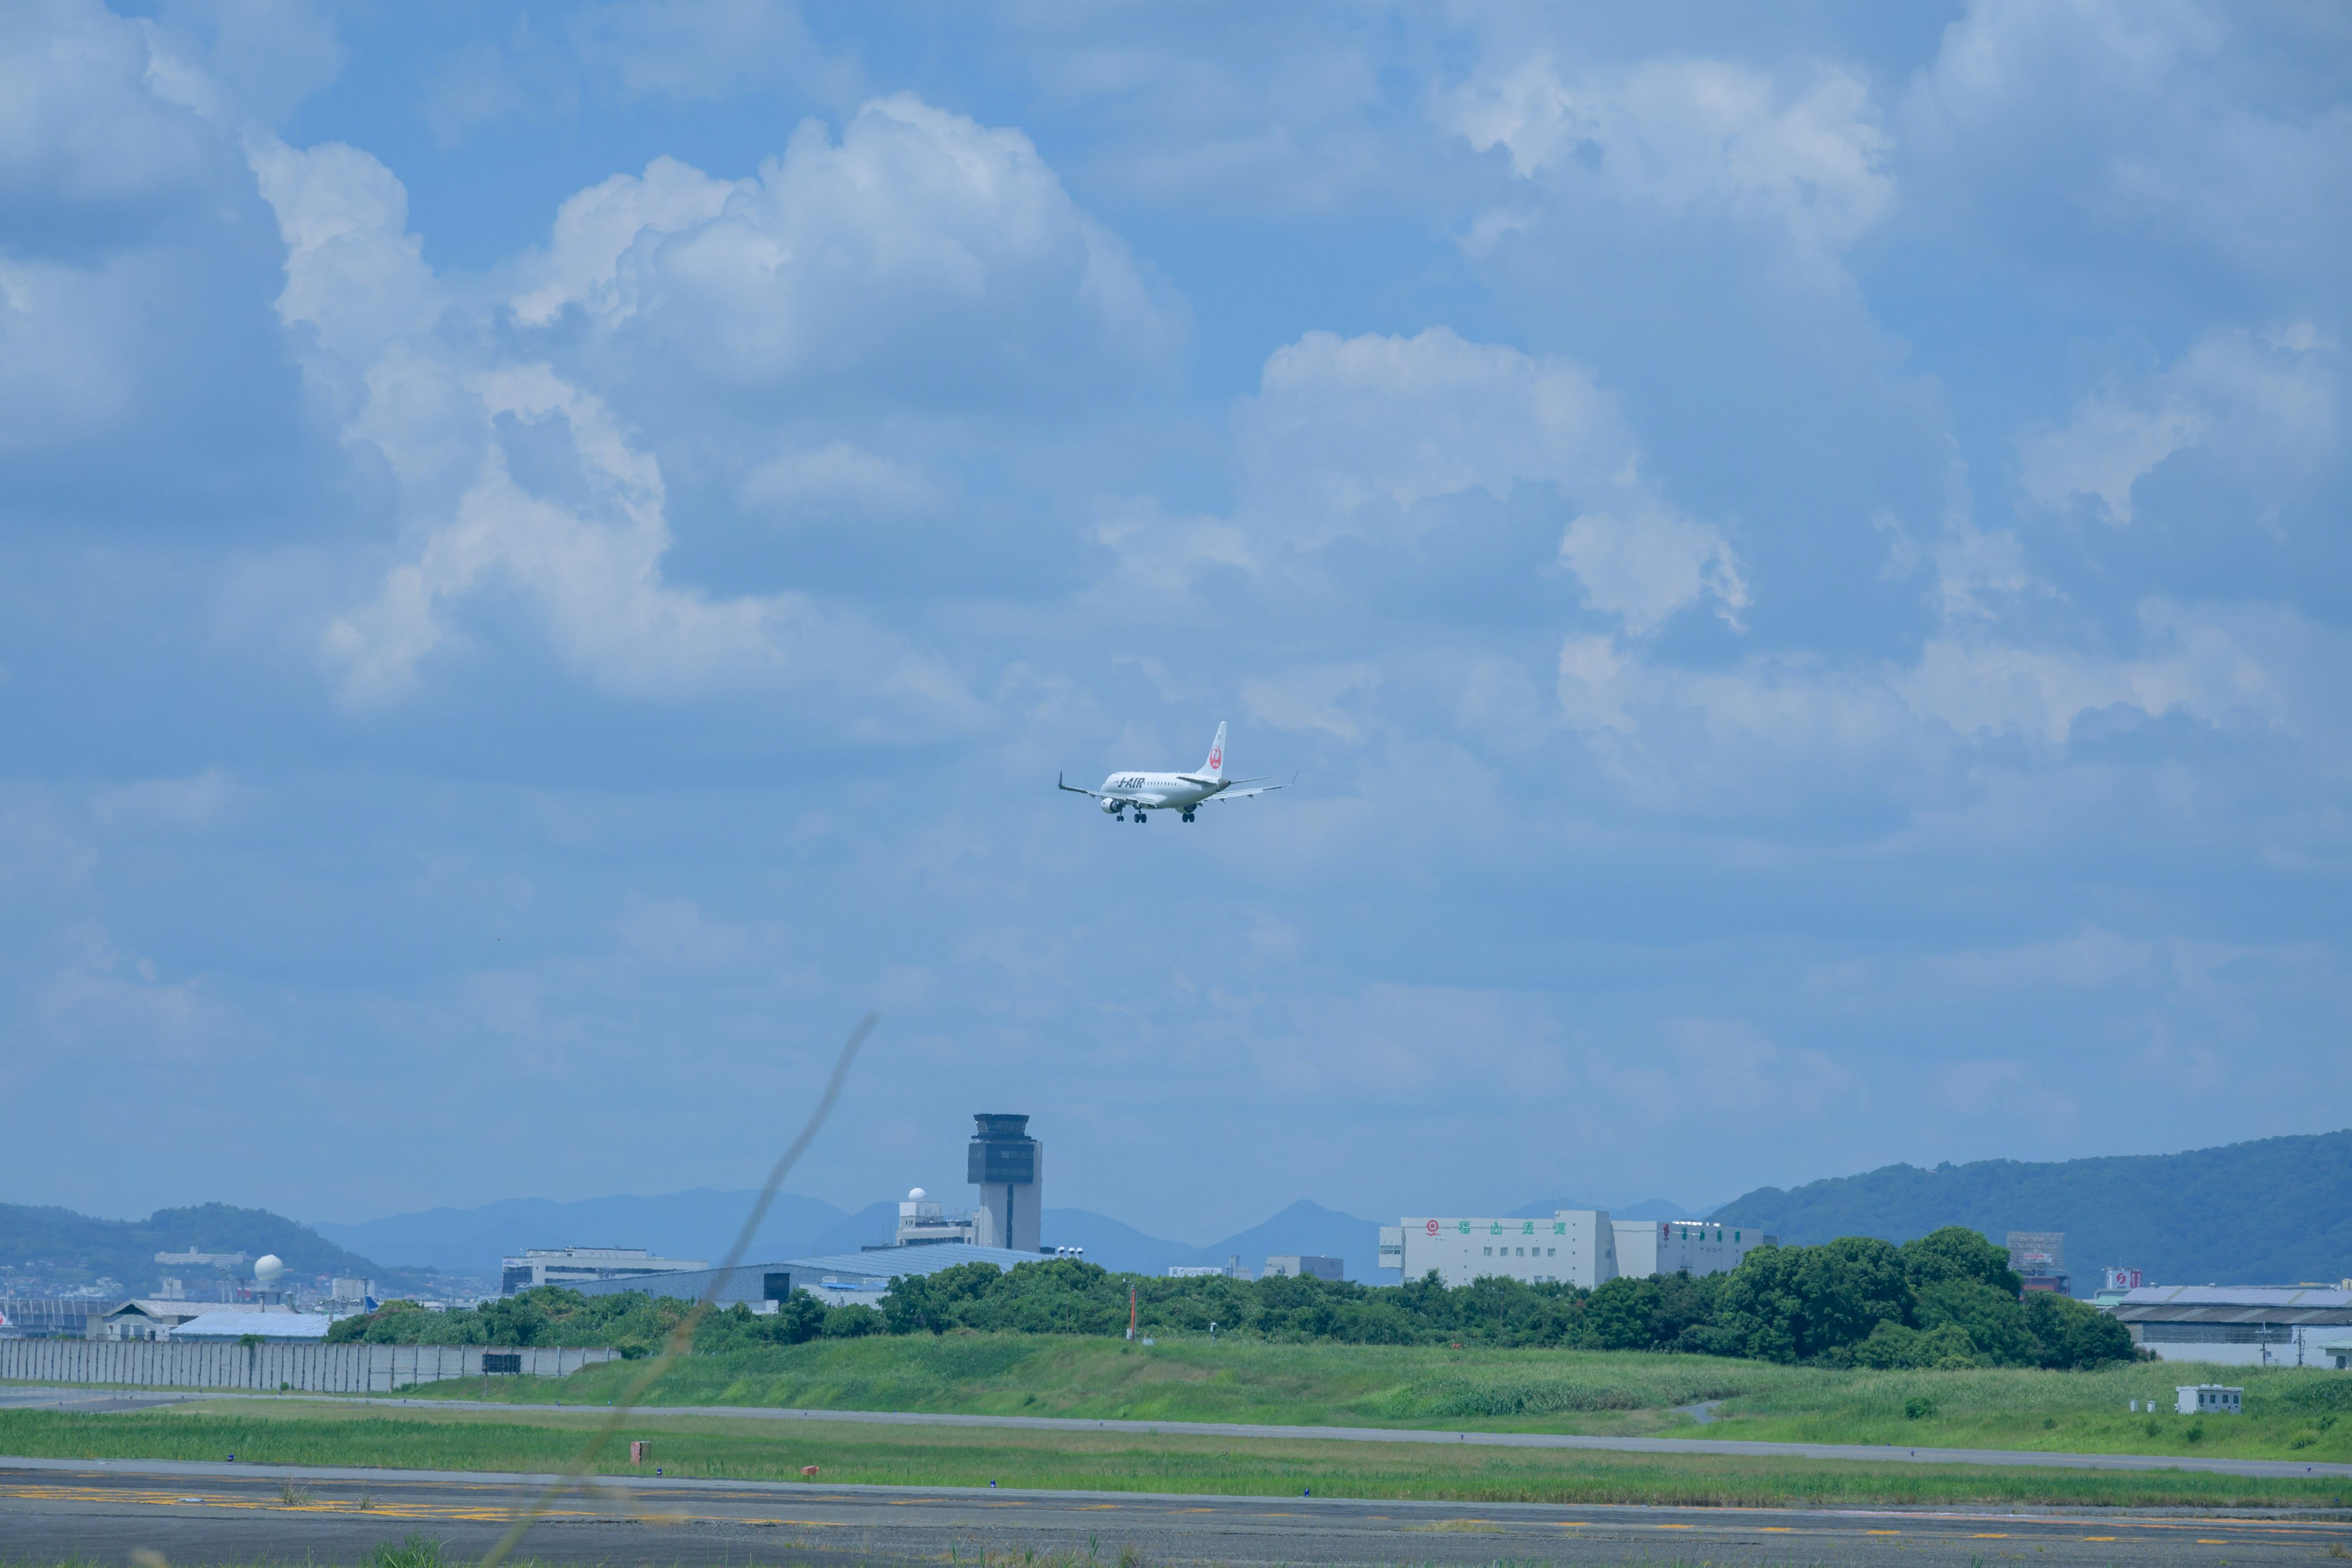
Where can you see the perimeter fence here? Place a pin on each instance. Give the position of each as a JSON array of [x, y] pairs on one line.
[[314, 1369]]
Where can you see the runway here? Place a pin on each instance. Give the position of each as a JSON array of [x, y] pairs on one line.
[[195, 1514], [88, 1399]]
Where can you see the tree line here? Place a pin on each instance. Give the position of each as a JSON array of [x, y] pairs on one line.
[[1944, 1299]]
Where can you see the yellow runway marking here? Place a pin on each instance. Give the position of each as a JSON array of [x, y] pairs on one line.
[[2201, 1540], [1778, 1528], [2098, 1538], [1882, 1533]]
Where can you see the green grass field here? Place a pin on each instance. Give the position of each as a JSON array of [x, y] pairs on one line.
[[492, 1439], [2291, 1414]]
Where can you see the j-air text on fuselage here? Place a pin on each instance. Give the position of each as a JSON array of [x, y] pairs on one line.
[[1140, 793]]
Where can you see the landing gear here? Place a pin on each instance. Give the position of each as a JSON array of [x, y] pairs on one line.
[[1138, 819], [1187, 816]]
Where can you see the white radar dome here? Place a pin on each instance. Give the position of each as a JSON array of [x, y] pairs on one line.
[[267, 1267], [916, 1195]]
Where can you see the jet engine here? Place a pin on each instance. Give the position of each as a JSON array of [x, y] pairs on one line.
[[1113, 808]]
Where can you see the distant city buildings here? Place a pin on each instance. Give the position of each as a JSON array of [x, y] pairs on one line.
[[2239, 1325], [1297, 1266], [1693, 1247], [1575, 1246], [924, 1221], [540, 1266]]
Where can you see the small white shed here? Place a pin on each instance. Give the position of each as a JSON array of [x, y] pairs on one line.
[[2207, 1399]]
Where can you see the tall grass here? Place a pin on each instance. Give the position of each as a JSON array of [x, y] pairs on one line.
[[1184, 1380], [2291, 1412], [1119, 1461]]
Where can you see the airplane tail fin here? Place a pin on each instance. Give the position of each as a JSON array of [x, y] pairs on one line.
[[1215, 767]]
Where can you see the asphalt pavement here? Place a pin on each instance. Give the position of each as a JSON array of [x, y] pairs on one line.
[[195, 1514]]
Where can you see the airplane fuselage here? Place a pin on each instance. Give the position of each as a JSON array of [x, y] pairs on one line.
[[1157, 792], [1145, 793]]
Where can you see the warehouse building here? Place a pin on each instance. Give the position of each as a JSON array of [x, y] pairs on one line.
[[1574, 1247], [1684, 1245], [837, 1279], [2237, 1325], [578, 1265]]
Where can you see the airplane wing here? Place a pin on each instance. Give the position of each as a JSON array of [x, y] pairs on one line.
[[1060, 783], [1239, 794]]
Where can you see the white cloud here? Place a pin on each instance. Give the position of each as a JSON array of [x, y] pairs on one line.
[[1674, 735], [589, 559], [2140, 150], [85, 139], [354, 273], [1310, 698], [1691, 136], [2267, 405], [922, 248], [594, 228], [1643, 571], [839, 476], [1344, 428], [513, 477], [1349, 436]]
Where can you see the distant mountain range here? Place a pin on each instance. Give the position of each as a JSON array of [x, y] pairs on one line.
[[702, 1223], [2271, 1212], [64, 1249], [2268, 1212], [698, 1224]]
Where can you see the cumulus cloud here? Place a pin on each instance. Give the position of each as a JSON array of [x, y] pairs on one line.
[[2139, 151], [354, 275], [581, 266], [1732, 728], [1643, 569], [1350, 435], [1343, 429], [1686, 135], [115, 203], [2267, 405], [838, 476], [515, 478], [922, 251]]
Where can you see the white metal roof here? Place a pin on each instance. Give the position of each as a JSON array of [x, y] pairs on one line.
[[268, 1325], [892, 1262], [2236, 1295], [152, 1308]]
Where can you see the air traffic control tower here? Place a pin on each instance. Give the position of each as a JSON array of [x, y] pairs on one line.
[[1008, 1166]]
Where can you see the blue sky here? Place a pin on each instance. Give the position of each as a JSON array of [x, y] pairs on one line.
[[549, 556]]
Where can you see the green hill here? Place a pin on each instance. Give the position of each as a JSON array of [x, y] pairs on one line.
[[2267, 1213], [69, 1248]]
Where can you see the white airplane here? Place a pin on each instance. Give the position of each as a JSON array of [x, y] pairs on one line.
[[1122, 792]]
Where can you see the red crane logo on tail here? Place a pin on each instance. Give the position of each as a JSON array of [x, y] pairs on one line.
[[1216, 758]]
